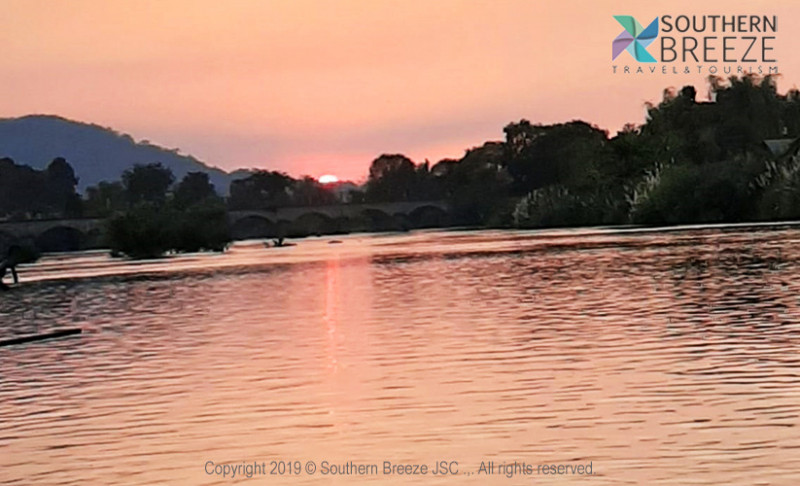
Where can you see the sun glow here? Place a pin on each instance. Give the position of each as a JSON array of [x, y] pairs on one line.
[[328, 179]]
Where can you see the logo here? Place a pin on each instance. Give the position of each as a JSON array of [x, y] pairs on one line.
[[634, 38], [704, 44]]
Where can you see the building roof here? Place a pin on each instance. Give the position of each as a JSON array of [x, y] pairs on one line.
[[779, 146]]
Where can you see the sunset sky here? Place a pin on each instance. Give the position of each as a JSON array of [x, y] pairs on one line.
[[314, 87]]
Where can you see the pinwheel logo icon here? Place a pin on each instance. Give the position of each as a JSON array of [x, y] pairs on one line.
[[634, 38]]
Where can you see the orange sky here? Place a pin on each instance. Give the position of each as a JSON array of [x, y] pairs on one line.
[[324, 86]]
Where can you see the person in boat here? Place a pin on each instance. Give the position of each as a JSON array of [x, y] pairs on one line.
[[9, 263]]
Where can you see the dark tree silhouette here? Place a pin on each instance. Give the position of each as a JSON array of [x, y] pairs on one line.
[[309, 192], [104, 199], [61, 188], [261, 190], [194, 188], [567, 154], [147, 183], [391, 178], [29, 193]]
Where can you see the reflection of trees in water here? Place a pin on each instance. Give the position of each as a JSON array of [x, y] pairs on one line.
[[737, 289], [658, 287]]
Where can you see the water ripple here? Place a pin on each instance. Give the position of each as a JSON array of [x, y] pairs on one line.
[[662, 358]]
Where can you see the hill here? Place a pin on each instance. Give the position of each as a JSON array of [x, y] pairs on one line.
[[96, 153]]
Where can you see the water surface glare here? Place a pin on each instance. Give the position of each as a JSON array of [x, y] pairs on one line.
[[661, 358]]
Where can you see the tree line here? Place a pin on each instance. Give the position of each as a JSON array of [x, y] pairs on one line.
[[26, 192], [689, 162]]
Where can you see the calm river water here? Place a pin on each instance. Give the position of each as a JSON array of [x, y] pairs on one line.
[[661, 358]]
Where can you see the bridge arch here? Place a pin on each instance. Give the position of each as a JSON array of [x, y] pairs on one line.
[[377, 220], [313, 223], [253, 226], [6, 240], [60, 238], [402, 222], [429, 216]]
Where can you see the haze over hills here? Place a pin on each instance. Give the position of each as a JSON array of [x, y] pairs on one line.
[[96, 153]]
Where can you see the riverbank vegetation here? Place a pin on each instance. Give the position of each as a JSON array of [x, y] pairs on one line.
[[190, 218], [730, 159]]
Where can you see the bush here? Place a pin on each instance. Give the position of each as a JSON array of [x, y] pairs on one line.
[[142, 232], [150, 231], [781, 185], [202, 228], [709, 193], [557, 206]]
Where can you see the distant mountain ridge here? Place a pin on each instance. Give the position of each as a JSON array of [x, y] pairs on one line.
[[96, 153]]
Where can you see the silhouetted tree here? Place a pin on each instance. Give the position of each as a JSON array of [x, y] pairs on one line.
[[147, 183], [391, 178], [477, 186], [105, 199], [261, 190], [61, 184], [29, 193], [194, 188], [309, 192], [568, 154]]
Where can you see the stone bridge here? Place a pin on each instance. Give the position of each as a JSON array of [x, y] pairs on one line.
[[340, 218], [53, 234], [76, 234]]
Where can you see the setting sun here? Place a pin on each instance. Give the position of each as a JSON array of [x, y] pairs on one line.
[[328, 179]]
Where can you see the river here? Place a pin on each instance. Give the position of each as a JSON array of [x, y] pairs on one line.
[[659, 358]]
